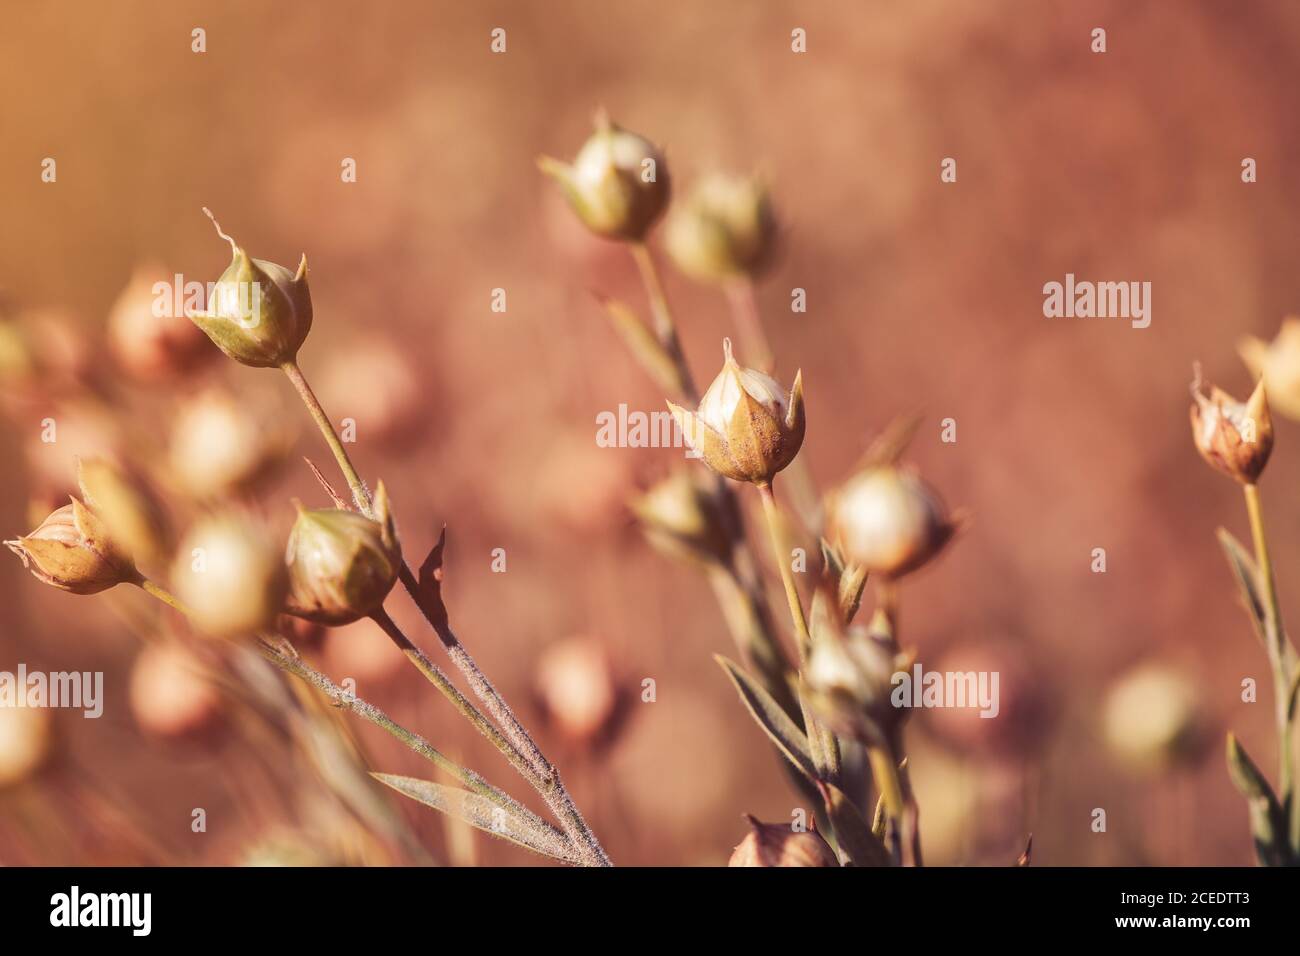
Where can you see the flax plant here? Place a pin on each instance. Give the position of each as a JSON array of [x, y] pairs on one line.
[[342, 564], [826, 701], [1236, 439]]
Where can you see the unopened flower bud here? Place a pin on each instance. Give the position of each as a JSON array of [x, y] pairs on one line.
[[260, 312], [169, 695], [1279, 363], [683, 520], [73, 551], [342, 564], [777, 844], [887, 520], [147, 337], [134, 518], [850, 679], [1234, 437], [747, 426], [617, 185], [25, 737], [230, 576], [221, 445], [1153, 720], [577, 690], [724, 230]]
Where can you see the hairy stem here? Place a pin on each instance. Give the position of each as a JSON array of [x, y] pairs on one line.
[[292, 664], [519, 748]]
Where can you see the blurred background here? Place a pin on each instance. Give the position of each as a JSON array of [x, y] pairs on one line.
[[1072, 434]]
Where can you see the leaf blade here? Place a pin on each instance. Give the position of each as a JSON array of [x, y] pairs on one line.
[[768, 714], [522, 828]]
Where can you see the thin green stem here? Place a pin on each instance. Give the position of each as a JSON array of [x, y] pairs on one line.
[[162, 594], [772, 514], [821, 739], [1275, 639], [360, 493], [664, 327], [438, 678], [1281, 659]]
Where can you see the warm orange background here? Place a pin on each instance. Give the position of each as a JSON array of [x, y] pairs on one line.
[[1072, 434]]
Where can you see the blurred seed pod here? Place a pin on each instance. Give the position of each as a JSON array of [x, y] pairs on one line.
[[724, 230], [887, 520], [1025, 703], [230, 575], [849, 680], [776, 844], [149, 336], [683, 520], [579, 693], [222, 446], [373, 383], [25, 741], [618, 183], [1153, 720], [170, 697], [133, 515], [1278, 363]]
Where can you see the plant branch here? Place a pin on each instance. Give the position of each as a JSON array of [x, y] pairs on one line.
[[519, 747]]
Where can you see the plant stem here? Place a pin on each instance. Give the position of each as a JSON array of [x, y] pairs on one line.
[[760, 642], [825, 748], [664, 327], [162, 594], [360, 493], [435, 675], [773, 516], [520, 749], [292, 664], [1280, 659], [296, 666]]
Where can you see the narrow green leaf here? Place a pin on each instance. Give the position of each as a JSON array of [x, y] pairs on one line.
[[1267, 820], [1243, 569], [643, 345], [521, 827], [791, 741], [852, 832]]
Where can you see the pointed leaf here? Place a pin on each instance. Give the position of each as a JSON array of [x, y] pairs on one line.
[[852, 832], [791, 741], [525, 829], [1268, 826], [1243, 569], [643, 345]]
